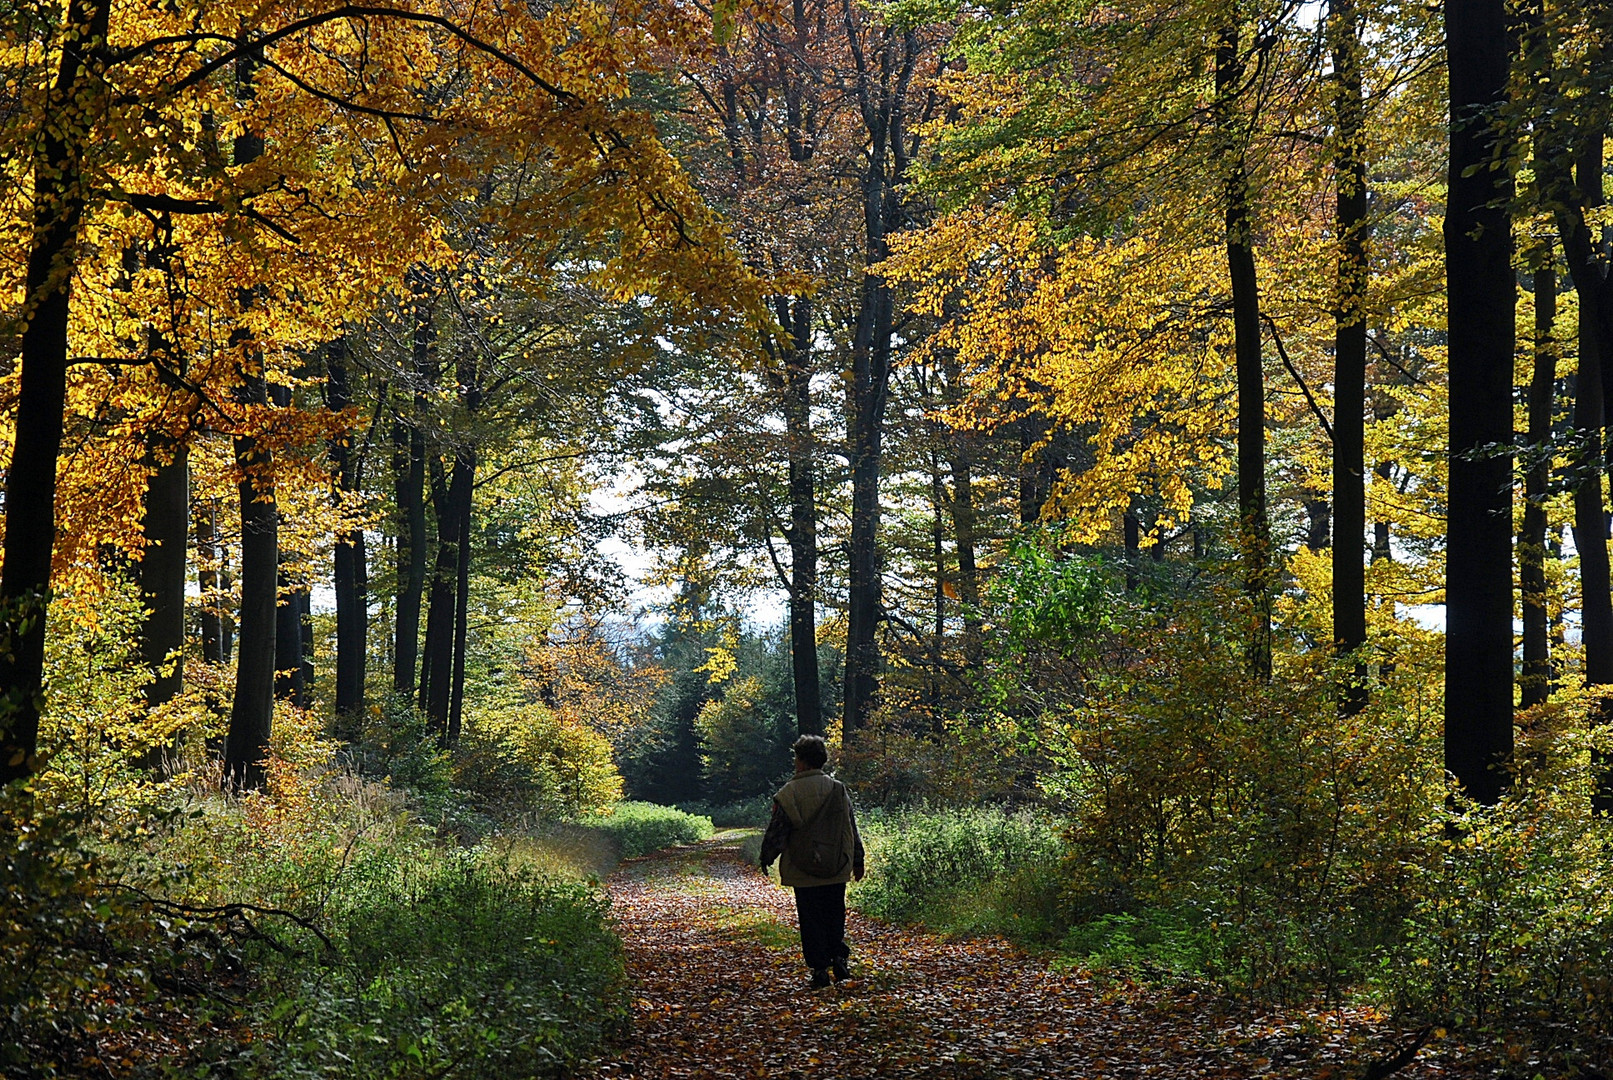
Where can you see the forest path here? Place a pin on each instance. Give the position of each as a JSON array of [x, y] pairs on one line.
[[720, 991]]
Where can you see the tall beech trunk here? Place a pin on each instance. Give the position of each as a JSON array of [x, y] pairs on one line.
[[162, 569], [30, 493], [1131, 532], [437, 659], [961, 464], [880, 82], [1479, 279], [1255, 530], [290, 682], [409, 495], [246, 744], [796, 315], [1535, 678], [1535, 682], [1595, 291], [869, 391], [1350, 357], [456, 701], [349, 573], [443, 661], [215, 650]]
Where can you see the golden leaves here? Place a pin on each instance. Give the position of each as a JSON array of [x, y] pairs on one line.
[[1120, 340]]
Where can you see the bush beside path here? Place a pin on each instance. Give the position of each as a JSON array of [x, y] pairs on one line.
[[720, 991]]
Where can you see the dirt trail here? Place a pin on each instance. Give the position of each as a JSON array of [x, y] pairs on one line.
[[720, 991]]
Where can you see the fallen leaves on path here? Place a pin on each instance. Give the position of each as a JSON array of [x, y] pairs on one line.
[[721, 992]]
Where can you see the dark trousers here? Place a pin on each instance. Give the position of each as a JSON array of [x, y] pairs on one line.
[[822, 910]]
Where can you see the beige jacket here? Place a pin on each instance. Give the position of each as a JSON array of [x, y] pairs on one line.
[[793, 806]]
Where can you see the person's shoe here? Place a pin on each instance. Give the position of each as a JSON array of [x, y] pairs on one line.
[[839, 968], [820, 978]]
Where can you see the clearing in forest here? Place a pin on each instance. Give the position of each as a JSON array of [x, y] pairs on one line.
[[720, 991]]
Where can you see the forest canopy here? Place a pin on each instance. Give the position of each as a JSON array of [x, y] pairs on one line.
[[1180, 425]]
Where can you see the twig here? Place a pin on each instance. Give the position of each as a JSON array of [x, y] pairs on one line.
[[1282, 352]]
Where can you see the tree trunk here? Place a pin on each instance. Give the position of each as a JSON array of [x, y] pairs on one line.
[[963, 528], [289, 682], [1595, 291], [1131, 530], [437, 661], [162, 569], [208, 576], [803, 537], [348, 573], [246, 745], [881, 99], [1478, 269], [30, 493], [409, 484], [1350, 358], [1255, 529], [870, 389], [1535, 684], [456, 703], [453, 498]]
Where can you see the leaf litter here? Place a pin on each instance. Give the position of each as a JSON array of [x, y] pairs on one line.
[[721, 992]]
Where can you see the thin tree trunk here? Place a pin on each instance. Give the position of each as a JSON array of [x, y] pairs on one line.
[[437, 662], [938, 554], [456, 703], [246, 745], [870, 387], [348, 571], [1478, 268], [289, 682], [409, 480], [162, 569], [803, 537], [207, 579], [1350, 358], [963, 528], [30, 493], [881, 99], [1535, 684], [1131, 533], [1255, 529], [1595, 291]]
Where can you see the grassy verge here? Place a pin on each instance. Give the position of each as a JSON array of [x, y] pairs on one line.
[[638, 828], [964, 871], [399, 957]]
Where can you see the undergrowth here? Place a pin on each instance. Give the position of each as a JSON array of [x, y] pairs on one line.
[[963, 871], [638, 828]]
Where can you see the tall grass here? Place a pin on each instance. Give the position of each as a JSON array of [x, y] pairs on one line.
[[495, 961], [638, 828], [964, 871]]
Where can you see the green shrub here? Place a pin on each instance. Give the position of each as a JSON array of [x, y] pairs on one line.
[[79, 962], [475, 963], [745, 814], [529, 761], [964, 870], [395, 742], [745, 737], [1155, 941], [460, 966], [639, 828], [1510, 940]]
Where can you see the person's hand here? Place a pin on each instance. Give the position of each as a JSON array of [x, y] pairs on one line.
[[857, 874]]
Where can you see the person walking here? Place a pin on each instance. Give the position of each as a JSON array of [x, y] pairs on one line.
[[813, 834]]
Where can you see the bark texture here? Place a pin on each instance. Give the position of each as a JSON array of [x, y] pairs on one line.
[[1478, 268]]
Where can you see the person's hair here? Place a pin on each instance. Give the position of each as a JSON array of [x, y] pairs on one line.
[[812, 750]]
